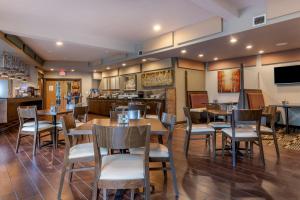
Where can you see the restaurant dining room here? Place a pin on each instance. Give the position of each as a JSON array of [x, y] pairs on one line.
[[149, 99]]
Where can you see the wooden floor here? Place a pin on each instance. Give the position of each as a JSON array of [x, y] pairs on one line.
[[23, 176]]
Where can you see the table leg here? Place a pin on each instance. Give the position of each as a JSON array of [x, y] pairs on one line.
[[287, 120], [54, 132]]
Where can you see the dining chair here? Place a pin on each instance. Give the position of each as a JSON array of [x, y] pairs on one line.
[[75, 153], [241, 130], [141, 107], [163, 153], [80, 114], [121, 171], [157, 112], [217, 125], [195, 130], [34, 127], [270, 112]]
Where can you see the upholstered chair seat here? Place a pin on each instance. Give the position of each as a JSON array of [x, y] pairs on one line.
[[241, 132], [41, 127], [156, 151], [84, 151]]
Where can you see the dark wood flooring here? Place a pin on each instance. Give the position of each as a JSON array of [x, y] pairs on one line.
[[23, 176]]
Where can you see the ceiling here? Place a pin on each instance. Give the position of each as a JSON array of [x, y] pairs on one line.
[[98, 29]]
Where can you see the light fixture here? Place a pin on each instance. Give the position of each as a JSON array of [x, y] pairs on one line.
[[233, 40], [107, 68], [156, 27], [52, 69], [72, 70], [281, 44], [183, 51], [4, 75], [200, 55], [95, 71], [59, 43], [249, 46], [216, 58], [144, 60], [24, 80], [123, 64], [261, 51], [12, 77]]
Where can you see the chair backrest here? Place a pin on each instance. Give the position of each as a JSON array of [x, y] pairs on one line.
[[271, 110], [141, 107], [81, 113], [27, 112], [169, 120], [188, 117], [68, 122], [246, 116], [197, 99], [132, 114], [158, 109], [253, 98]]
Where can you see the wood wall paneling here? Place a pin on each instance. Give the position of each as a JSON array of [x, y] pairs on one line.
[[248, 61], [280, 57]]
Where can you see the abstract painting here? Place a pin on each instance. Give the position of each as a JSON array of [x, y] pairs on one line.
[[229, 81]]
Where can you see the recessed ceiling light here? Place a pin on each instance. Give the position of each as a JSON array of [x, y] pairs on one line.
[[59, 43], [95, 71], [233, 40], [51, 69], [183, 51], [216, 58], [107, 68], [281, 44], [200, 55], [123, 64], [261, 51], [249, 46], [156, 27], [72, 70], [144, 60]]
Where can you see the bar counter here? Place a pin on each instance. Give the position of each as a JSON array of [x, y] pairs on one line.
[[8, 107], [101, 106]]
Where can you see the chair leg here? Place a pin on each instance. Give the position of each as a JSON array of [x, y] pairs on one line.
[[164, 166], [62, 179], [71, 172], [251, 149], [95, 189], [147, 190], [233, 149], [223, 145], [261, 149], [209, 143], [174, 179], [215, 144], [104, 194], [276, 145], [18, 142], [132, 194], [34, 143], [187, 143]]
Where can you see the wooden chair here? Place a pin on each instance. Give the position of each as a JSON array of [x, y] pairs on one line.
[[80, 114], [34, 127], [195, 129], [163, 153], [141, 107], [121, 171], [157, 113], [197, 99], [244, 133], [75, 153], [270, 112]]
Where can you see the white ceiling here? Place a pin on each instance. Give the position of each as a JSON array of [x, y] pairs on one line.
[[91, 28]]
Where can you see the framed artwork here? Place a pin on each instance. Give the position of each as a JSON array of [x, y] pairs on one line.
[[130, 82], [229, 81], [158, 78]]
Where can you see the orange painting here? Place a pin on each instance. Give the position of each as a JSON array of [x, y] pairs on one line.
[[229, 81]]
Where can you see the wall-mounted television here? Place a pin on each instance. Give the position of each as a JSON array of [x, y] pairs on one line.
[[287, 75]]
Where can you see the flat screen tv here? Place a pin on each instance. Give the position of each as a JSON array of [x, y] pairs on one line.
[[287, 75]]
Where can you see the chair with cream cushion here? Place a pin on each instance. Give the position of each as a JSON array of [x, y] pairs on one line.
[[194, 130], [75, 153], [157, 112], [163, 153], [34, 127], [121, 171], [243, 133]]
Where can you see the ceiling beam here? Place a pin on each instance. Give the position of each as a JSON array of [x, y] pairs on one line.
[[220, 8]]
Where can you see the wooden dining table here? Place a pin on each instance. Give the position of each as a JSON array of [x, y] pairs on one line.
[[157, 128], [54, 114]]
